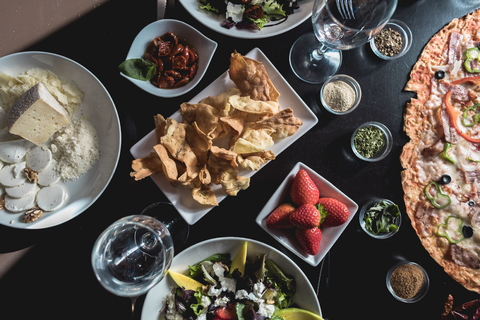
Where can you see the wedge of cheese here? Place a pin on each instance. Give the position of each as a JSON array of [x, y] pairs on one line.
[[36, 115]]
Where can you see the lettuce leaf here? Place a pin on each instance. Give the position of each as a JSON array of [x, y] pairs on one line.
[[271, 7], [207, 6]]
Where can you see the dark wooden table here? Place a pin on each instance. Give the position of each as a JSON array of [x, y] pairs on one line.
[[47, 273]]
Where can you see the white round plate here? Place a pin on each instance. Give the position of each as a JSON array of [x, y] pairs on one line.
[[214, 21], [305, 296], [99, 106]]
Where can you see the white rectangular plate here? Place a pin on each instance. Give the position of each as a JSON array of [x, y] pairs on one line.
[[285, 236], [182, 199]]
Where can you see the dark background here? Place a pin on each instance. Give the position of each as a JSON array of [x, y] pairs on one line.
[[54, 278]]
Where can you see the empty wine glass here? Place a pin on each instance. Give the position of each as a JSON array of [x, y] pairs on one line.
[[132, 255], [337, 25]]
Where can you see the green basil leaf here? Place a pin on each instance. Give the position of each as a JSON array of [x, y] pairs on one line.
[[138, 69]]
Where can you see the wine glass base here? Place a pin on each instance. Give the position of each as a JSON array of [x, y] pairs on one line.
[[310, 67], [166, 213]]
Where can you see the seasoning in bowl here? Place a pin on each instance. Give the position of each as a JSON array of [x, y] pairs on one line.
[[388, 42], [339, 95], [407, 280], [369, 141], [381, 218]]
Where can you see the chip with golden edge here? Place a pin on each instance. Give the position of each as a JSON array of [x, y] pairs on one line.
[[175, 142], [206, 117], [160, 124], [169, 166], [253, 161], [204, 176], [204, 196], [246, 104], [228, 157], [253, 140], [199, 142], [220, 102], [232, 183], [283, 123], [251, 78], [144, 167]]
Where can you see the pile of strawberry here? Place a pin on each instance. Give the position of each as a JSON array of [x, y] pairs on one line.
[[311, 213]]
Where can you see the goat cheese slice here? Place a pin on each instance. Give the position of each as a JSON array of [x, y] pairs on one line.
[[13, 151], [36, 115], [20, 204], [49, 176], [22, 190], [13, 175], [39, 158], [51, 198]]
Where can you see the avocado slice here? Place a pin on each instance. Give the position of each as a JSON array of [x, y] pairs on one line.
[[185, 281], [240, 259]]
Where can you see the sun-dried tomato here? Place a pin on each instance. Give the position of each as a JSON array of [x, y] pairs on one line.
[[254, 12], [176, 61]]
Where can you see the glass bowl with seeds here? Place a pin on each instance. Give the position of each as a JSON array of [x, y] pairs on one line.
[[393, 41], [371, 141]]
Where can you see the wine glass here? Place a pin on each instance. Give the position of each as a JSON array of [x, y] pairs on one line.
[[337, 25], [132, 255]]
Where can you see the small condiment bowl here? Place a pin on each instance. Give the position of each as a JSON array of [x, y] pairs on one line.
[[203, 45], [382, 153], [405, 33], [421, 293], [382, 235], [352, 83]]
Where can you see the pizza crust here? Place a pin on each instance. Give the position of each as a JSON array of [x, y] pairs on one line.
[[423, 126]]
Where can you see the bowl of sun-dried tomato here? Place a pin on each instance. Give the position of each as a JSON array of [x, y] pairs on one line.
[[168, 58]]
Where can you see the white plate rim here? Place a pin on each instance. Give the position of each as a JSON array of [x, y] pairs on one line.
[[196, 211], [154, 299], [213, 21], [329, 235]]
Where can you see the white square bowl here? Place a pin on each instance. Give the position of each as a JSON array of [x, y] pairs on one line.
[[286, 236]]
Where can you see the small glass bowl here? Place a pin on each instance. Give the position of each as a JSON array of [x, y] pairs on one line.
[[421, 293], [352, 83], [382, 153], [405, 33], [382, 235]]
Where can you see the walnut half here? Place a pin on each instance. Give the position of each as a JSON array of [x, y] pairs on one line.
[[32, 215]]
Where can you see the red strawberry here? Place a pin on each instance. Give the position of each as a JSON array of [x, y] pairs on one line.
[[309, 239], [280, 217], [303, 189], [306, 216], [337, 212]]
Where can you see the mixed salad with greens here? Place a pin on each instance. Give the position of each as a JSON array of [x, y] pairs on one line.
[[257, 295], [250, 14]]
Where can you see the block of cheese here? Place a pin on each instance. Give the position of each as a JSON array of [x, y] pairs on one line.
[[36, 115]]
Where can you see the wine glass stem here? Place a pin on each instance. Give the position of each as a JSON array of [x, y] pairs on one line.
[[133, 307], [318, 53]]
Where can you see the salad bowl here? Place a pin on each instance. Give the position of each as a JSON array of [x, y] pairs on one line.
[[305, 296]]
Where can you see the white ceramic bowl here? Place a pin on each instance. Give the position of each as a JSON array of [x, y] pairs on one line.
[[204, 46], [285, 236], [99, 106]]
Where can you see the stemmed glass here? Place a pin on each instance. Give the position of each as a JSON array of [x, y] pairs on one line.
[[134, 253], [337, 25]]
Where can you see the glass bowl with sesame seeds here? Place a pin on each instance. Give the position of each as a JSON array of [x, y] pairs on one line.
[[393, 41]]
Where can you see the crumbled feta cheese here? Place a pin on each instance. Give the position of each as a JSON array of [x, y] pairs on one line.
[[205, 301], [219, 271], [259, 289], [213, 292], [241, 294], [171, 313], [266, 310], [234, 11], [221, 302], [228, 284]]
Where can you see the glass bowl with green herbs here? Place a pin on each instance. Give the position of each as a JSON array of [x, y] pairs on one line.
[[380, 218], [371, 141]]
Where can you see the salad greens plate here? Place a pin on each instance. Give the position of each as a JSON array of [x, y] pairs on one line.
[[214, 21], [304, 297]]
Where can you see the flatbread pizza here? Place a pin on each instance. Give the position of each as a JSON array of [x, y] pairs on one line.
[[441, 176]]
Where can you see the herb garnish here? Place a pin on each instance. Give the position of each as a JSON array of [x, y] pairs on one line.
[[380, 217], [368, 141], [138, 69]]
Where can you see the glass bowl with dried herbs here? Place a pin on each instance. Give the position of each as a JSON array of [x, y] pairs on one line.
[[371, 141], [393, 41], [407, 281], [380, 218]]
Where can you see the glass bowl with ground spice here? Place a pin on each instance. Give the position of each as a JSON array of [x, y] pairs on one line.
[[340, 94], [393, 41], [371, 141], [408, 281]]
